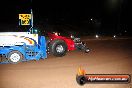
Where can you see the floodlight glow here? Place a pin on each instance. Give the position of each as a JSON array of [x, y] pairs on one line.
[[97, 36], [114, 36], [56, 33]]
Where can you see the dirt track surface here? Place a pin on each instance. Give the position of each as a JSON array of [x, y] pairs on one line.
[[106, 57]]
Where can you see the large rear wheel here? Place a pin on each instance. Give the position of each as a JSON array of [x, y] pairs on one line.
[[58, 47]]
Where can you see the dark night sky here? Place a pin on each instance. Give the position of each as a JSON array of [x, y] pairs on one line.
[[108, 15]]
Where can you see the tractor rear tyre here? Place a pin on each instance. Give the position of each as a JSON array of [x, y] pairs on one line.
[[58, 48]]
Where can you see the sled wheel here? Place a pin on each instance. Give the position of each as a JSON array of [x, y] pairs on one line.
[[15, 57]]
